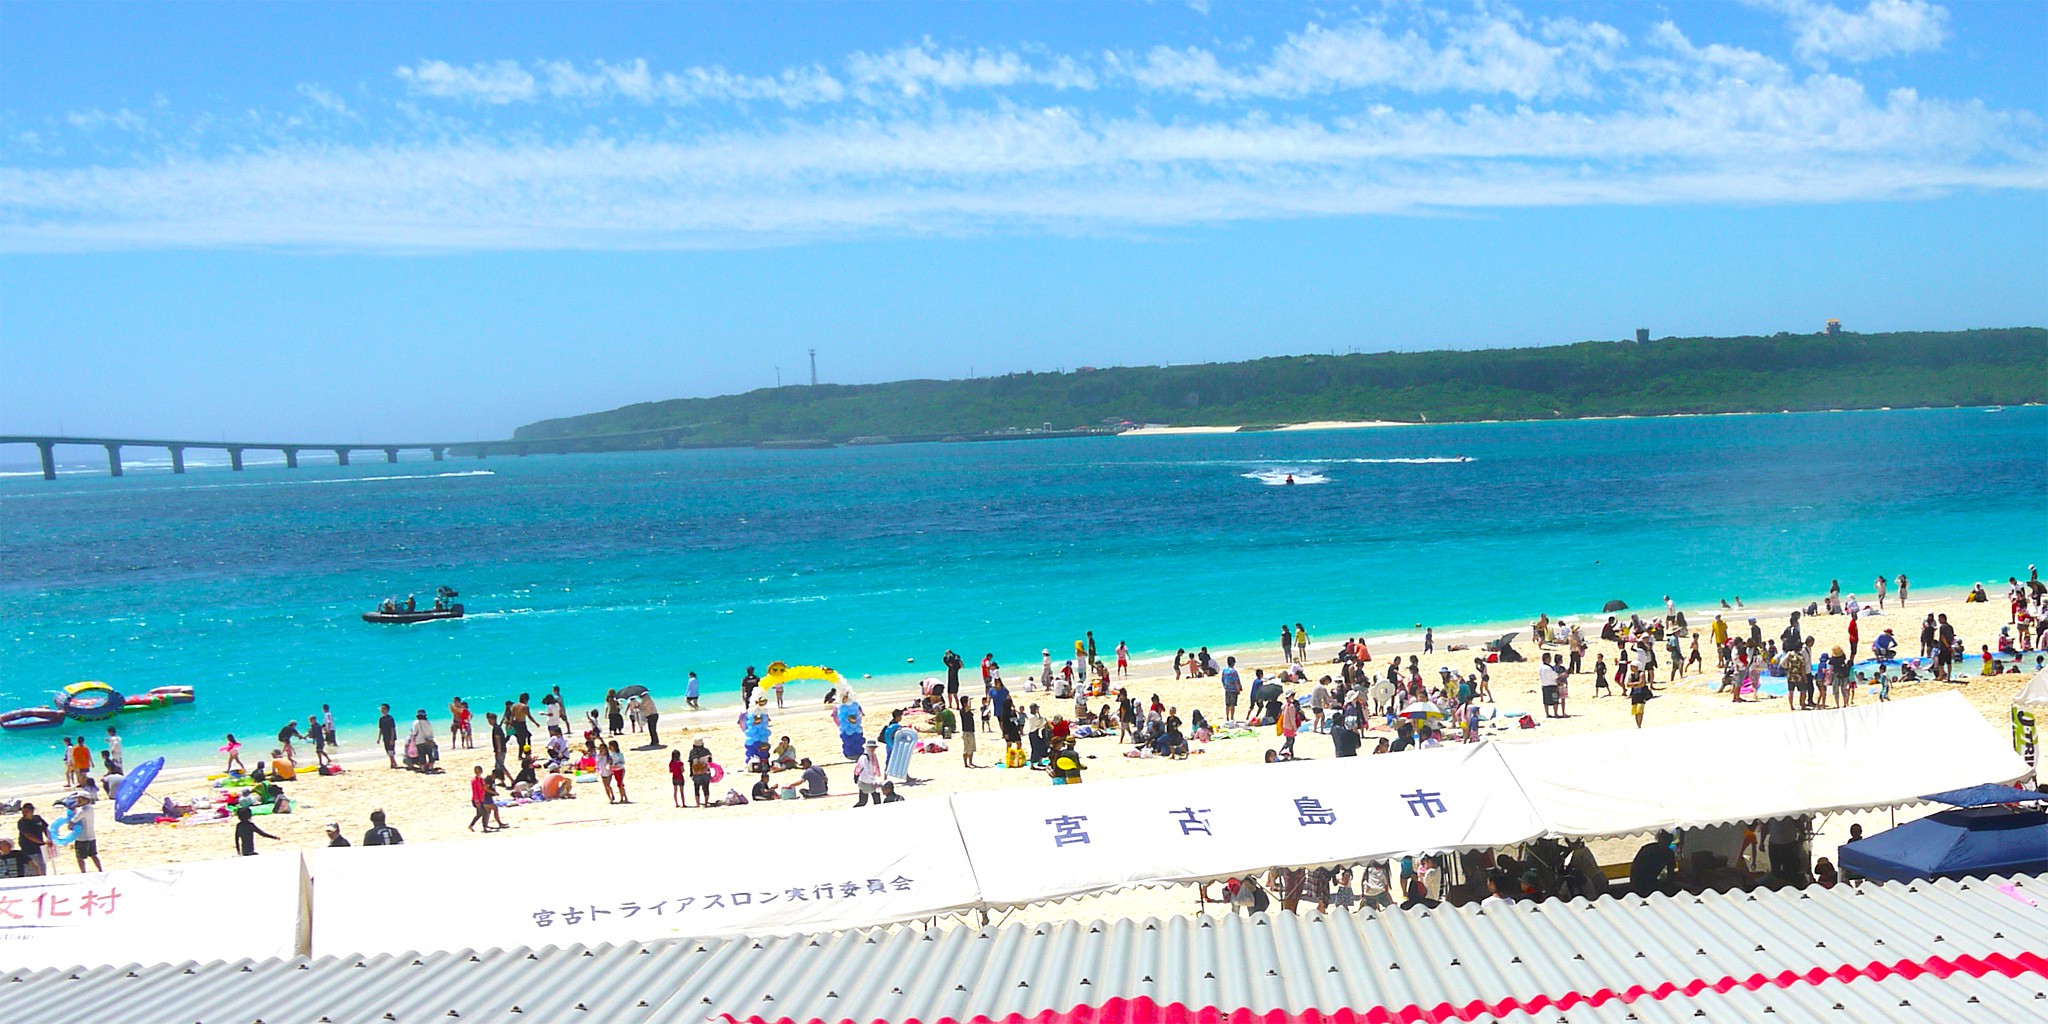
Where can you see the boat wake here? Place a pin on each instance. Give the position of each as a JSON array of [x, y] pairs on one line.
[[1282, 478]]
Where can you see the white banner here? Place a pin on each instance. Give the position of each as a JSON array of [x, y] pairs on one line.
[[734, 875], [1057, 841], [1759, 766], [245, 907]]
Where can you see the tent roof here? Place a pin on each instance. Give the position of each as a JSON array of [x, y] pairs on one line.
[[1954, 843], [1755, 767]]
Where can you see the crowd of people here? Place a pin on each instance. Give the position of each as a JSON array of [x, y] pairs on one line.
[[543, 751]]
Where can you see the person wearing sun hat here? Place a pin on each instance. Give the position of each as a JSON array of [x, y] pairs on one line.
[[867, 774]]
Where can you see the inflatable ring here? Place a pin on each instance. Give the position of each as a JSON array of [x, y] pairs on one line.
[[717, 771], [66, 830]]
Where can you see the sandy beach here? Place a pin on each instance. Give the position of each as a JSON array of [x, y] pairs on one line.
[[1166, 431], [434, 808]]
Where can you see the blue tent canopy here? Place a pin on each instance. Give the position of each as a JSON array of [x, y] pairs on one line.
[[1960, 843], [1987, 796]]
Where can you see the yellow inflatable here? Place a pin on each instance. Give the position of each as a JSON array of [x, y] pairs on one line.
[[780, 673]]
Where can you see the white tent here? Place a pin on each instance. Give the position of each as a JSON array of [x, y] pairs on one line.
[[1758, 766], [239, 908], [714, 875], [2035, 693], [1039, 844]]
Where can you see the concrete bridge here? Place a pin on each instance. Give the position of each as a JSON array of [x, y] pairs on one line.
[[629, 440]]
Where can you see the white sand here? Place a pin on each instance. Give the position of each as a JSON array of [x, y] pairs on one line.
[[436, 808]]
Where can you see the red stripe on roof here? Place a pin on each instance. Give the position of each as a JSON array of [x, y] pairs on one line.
[[1143, 1010]]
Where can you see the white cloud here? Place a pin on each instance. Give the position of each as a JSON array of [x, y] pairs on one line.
[[1881, 29], [95, 119], [1822, 139], [913, 71], [498, 82], [325, 99], [504, 82], [1487, 54], [1550, 112]]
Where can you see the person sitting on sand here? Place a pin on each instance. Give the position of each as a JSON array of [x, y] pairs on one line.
[[785, 754], [764, 789], [815, 783], [282, 767]]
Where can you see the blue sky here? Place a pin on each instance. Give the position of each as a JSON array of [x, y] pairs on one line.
[[357, 221]]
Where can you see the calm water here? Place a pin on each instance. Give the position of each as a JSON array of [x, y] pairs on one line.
[[595, 571]]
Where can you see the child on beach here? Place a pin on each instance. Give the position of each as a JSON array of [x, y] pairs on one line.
[[234, 751], [676, 771], [1639, 697], [619, 771]]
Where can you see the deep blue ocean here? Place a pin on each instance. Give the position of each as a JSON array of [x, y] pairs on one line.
[[601, 570]]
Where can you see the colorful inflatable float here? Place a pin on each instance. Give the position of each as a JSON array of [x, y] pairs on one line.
[[91, 701]]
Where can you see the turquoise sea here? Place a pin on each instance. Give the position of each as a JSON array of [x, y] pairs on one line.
[[596, 571]]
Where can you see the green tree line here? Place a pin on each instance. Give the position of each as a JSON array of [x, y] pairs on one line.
[[2002, 366]]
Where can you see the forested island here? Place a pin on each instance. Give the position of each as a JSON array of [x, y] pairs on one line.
[[2001, 366]]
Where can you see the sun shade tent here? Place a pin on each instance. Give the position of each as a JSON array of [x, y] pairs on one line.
[[1029, 845], [1627, 781], [1986, 796], [732, 876], [238, 908], [1961, 843]]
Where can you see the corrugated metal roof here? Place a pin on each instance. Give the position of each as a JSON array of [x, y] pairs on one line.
[[1940, 951]]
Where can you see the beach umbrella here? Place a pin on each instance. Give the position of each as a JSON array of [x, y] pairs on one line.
[[1422, 709], [1616, 605], [634, 690]]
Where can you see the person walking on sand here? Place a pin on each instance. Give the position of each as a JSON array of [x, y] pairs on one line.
[[867, 774], [619, 771], [601, 758], [387, 733], [1429, 640], [1233, 684], [651, 714], [953, 666], [246, 833], [1639, 697], [700, 773], [321, 760], [233, 749], [967, 739], [286, 735], [479, 798]]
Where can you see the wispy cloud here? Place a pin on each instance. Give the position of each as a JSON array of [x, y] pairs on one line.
[[1494, 54], [498, 82], [1328, 121], [1882, 28]]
